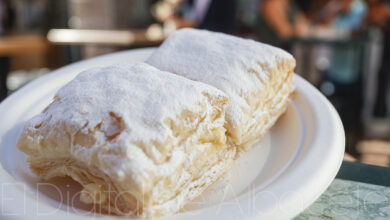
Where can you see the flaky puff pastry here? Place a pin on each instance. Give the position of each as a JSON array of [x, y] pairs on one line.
[[256, 77], [140, 141]]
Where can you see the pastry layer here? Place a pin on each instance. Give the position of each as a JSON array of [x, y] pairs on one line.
[[250, 73], [141, 141]]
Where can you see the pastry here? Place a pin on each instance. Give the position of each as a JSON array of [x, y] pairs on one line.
[[139, 140], [256, 77]]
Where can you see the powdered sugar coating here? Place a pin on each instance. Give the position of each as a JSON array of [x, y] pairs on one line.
[[223, 61], [143, 97]]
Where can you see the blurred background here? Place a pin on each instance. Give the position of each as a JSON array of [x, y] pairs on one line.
[[341, 46]]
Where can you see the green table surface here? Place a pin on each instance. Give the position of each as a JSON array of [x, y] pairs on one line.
[[359, 191]]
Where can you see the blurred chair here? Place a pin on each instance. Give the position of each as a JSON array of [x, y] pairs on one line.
[[279, 21], [107, 15], [30, 50]]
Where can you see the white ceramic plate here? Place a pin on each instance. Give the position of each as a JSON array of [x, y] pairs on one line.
[[277, 179]]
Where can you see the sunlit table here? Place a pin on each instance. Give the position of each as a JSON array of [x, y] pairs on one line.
[[359, 191]]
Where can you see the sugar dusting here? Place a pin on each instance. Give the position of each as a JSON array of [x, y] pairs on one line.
[[142, 97], [226, 62]]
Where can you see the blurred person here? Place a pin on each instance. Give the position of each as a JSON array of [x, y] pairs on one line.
[[325, 11], [379, 16], [35, 14], [378, 13], [6, 16], [347, 18], [281, 20], [337, 59], [344, 71], [351, 15], [214, 15]]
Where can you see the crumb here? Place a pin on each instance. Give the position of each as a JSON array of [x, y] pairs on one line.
[[324, 215]]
